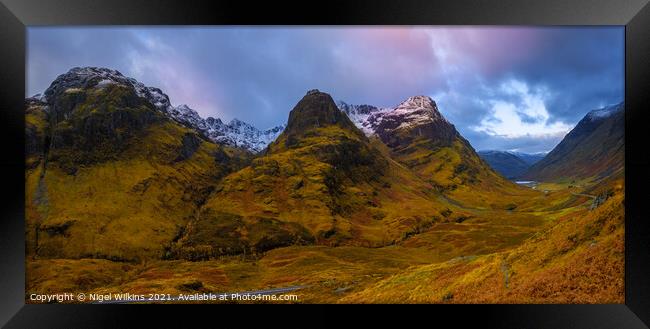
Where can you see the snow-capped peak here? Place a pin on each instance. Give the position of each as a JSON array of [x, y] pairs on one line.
[[419, 105], [236, 133], [414, 111], [241, 134], [100, 77], [605, 112]]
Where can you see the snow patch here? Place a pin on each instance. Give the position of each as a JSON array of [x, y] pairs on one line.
[[605, 112]]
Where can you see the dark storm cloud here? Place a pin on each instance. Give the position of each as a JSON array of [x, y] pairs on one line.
[[503, 88]]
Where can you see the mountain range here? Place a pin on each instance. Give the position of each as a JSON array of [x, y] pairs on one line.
[[510, 164], [341, 196], [235, 133], [322, 180]]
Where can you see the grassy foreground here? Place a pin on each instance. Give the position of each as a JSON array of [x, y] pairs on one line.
[[567, 255]]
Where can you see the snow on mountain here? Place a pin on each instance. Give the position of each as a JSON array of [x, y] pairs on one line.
[[242, 134], [359, 114], [605, 111], [189, 117], [236, 133], [414, 111]]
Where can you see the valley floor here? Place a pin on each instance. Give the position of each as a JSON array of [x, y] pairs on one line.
[[550, 249]]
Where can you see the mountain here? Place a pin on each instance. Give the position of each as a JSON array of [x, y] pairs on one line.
[[593, 150], [320, 182], [505, 163], [109, 173], [236, 133], [419, 137], [510, 164], [359, 114], [530, 158]]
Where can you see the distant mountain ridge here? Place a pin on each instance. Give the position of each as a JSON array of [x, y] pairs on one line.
[[510, 164], [530, 158]]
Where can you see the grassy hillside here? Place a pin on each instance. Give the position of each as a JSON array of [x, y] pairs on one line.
[[323, 178], [579, 258], [119, 192], [460, 174], [594, 149]]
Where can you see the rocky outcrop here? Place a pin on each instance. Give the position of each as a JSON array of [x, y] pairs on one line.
[[189, 145], [416, 117]]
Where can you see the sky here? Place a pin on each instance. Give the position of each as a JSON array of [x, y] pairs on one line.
[[504, 88]]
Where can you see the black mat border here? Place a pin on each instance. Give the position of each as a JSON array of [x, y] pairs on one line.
[[16, 14]]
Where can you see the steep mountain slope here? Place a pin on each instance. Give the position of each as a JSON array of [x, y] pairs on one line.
[[594, 149], [507, 164], [320, 182], [420, 138], [109, 174]]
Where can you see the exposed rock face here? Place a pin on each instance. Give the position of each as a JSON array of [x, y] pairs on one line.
[[68, 90], [80, 79], [417, 117], [316, 109], [36, 126], [189, 145]]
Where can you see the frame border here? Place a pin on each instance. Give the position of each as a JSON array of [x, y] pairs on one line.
[[15, 15]]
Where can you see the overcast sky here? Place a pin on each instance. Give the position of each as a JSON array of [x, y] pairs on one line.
[[505, 88]]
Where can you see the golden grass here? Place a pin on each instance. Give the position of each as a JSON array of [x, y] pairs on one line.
[[123, 209], [578, 260]]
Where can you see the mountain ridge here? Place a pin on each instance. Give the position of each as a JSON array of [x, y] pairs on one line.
[[510, 164], [593, 149], [235, 133]]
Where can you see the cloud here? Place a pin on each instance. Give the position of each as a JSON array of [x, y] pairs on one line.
[[525, 116], [503, 81]]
